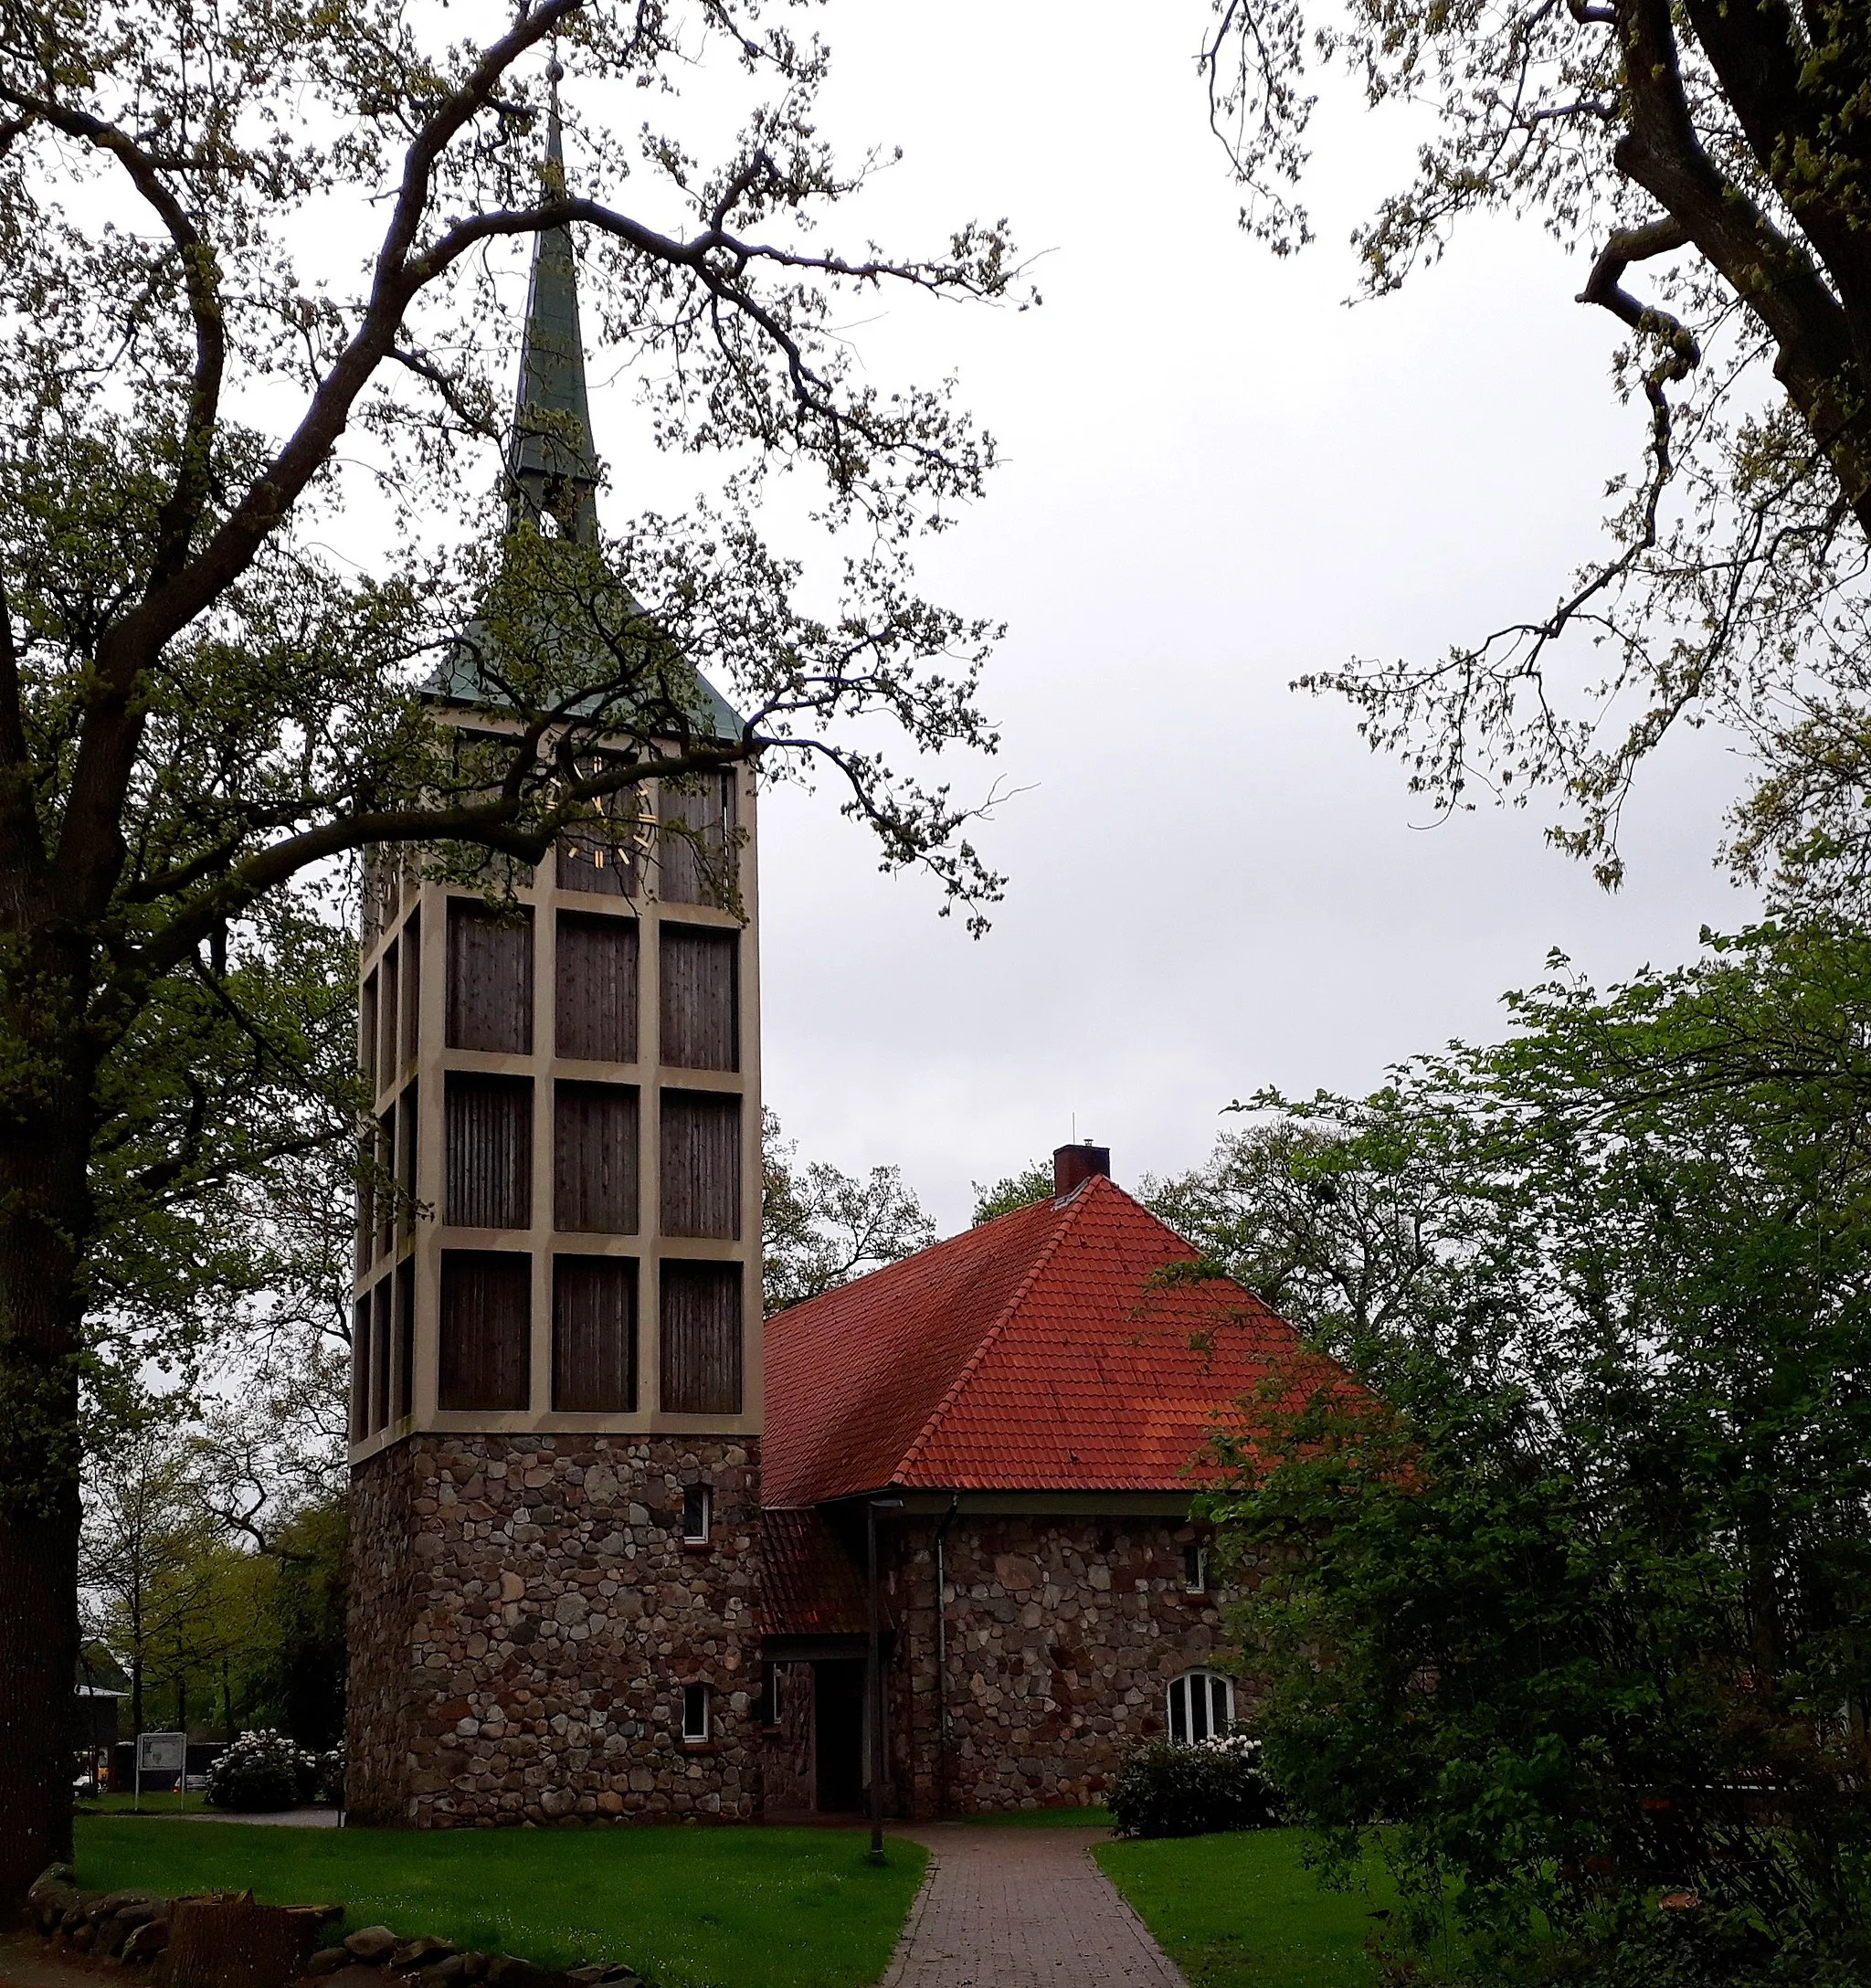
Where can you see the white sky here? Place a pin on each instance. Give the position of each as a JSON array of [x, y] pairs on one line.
[[1217, 477]]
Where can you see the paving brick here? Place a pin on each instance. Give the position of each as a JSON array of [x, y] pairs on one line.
[[1024, 1908]]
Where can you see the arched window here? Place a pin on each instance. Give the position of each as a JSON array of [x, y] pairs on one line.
[[1201, 1704]]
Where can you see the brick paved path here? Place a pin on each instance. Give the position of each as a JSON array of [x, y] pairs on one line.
[[1022, 1909]]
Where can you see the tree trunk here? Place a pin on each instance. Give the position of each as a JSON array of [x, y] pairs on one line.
[[45, 1216]]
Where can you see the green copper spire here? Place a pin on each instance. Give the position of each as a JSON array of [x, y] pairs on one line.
[[551, 461]]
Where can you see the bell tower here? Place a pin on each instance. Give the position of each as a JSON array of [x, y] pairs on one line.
[[556, 1387]]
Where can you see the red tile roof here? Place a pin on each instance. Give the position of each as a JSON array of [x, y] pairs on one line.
[[1029, 1354], [809, 1584]]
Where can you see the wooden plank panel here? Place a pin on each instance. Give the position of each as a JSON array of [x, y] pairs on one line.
[[595, 1164], [412, 987], [487, 1159], [366, 1205], [385, 1196], [699, 1001], [407, 1119], [595, 1004], [490, 979], [701, 1172], [594, 1334], [692, 867], [486, 1329], [360, 1369], [389, 1016], [403, 1390], [700, 1341], [366, 1034], [380, 1329]]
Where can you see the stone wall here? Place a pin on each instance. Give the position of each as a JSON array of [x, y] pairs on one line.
[[1062, 1636], [787, 1769], [525, 1615]]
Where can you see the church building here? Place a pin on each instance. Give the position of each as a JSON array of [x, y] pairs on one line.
[[611, 1560]]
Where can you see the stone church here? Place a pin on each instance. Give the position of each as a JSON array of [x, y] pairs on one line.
[[609, 1553]]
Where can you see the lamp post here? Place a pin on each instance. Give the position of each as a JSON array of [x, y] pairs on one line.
[[873, 1677]]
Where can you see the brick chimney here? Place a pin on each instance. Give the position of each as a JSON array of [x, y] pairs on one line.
[[1072, 1166]]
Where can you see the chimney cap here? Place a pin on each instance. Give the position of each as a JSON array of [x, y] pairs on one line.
[[1072, 1166]]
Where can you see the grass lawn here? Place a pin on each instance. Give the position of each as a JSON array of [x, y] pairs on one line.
[[1243, 1911], [689, 1908]]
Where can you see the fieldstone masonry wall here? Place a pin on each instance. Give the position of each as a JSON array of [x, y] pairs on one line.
[[524, 1617], [1063, 1635]]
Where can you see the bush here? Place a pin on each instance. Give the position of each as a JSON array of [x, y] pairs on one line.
[[328, 1777], [262, 1770], [1166, 1789]]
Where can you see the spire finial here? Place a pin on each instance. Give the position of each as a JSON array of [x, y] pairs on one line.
[[551, 459]]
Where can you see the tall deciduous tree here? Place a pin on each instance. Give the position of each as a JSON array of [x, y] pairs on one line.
[[1579, 1600], [205, 707], [820, 1227], [1709, 164]]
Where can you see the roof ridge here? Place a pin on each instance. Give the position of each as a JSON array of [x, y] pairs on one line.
[[1073, 1208]]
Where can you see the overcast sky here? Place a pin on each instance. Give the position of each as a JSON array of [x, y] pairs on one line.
[[1217, 477]]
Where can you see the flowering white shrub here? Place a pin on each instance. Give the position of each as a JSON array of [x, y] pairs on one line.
[[262, 1770], [1170, 1789]]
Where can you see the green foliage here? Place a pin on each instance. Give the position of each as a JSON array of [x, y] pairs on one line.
[[820, 1227], [1019, 1189], [1164, 1789], [1583, 1600], [688, 1908]]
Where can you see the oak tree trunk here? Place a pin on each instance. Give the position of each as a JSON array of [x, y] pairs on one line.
[[44, 1218]]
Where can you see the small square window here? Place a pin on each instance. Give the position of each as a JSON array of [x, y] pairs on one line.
[[694, 1714], [698, 1514], [1195, 1569]]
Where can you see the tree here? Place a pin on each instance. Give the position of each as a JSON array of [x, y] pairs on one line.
[[1721, 149], [207, 713], [1581, 1599], [820, 1227], [155, 1564], [1019, 1189]]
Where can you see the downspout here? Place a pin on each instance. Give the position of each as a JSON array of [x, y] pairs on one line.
[[942, 1660]]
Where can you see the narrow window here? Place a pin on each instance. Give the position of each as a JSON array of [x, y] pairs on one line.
[[698, 1514], [1201, 1704], [1195, 1569], [766, 1706], [694, 1714]]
